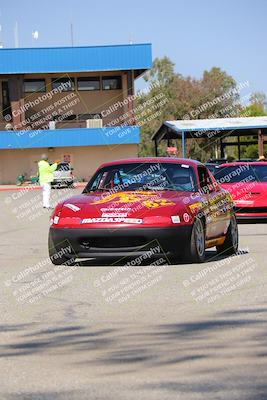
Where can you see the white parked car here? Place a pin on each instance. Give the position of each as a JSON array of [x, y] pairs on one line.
[[63, 176]]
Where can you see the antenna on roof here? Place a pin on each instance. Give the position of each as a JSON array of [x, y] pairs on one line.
[[1, 41], [16, 34], [35, 36], [71, 34], [71, 24], [131, 39]]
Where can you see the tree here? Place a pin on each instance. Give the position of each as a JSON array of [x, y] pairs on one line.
[[162, 71], [150, 113], [258, 99], [185, 98], [256, 108], [217, 98]]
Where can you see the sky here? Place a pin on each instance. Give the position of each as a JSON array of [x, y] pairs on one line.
[[195, 34]]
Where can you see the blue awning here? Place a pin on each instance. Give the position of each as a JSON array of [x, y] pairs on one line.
[[76, 59], [70, 137]]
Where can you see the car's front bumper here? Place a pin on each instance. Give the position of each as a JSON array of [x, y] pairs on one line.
[[62, 181], [251, 217], [250, 213], [123, 242]]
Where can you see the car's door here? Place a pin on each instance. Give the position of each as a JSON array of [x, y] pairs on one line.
[[216, 217], [223, 204]]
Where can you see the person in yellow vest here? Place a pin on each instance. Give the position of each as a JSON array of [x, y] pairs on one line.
[[45, 178]]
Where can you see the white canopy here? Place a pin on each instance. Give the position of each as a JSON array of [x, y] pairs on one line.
[[217, 124]]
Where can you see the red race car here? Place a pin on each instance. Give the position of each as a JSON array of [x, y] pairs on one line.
[[247, 183], [128, 206]]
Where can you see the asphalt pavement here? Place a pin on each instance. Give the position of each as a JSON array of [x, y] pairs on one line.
[[150, 332]]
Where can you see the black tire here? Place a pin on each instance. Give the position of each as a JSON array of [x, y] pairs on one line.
[[230, 245], [55, 255], [195, 250]]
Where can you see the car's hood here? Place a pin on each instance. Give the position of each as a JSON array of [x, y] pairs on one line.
[[132, 203]]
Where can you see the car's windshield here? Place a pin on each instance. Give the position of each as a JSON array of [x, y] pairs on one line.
[[238, 173], [144, 176]]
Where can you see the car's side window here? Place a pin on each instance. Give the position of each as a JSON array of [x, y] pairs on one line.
[[205, 180]]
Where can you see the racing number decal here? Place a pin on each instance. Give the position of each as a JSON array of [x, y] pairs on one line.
[[145, 198], [157, 203]]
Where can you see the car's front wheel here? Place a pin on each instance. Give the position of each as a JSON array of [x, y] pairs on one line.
[[230, 245], [195, 250]]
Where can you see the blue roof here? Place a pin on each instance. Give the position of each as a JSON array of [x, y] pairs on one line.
[[70, 137], [75, 59]]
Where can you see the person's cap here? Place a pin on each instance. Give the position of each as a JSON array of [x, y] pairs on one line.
[[44, 157]]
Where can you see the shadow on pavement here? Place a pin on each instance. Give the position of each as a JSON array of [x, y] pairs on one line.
[[211, 256], [220, 357]]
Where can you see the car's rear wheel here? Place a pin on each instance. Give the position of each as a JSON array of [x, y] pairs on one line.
[[230, 245], [57, 254], [195, 250]]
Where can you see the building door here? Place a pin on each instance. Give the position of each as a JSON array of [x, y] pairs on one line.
[[6, 101]]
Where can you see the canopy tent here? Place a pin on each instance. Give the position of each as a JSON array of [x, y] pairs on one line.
[[218, 128]]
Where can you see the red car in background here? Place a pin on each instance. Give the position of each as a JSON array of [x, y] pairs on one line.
[[131, 206], [247, 183]]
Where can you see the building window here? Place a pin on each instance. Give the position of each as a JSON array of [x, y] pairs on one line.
[[111, 82], [64, 84], [88, 83], [60, 118], [34, 85], [84, 117]]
